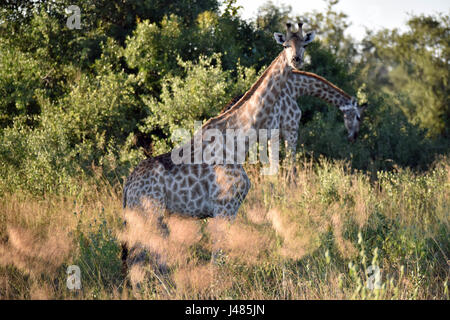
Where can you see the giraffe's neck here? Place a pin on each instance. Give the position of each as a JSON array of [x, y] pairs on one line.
[[302, 83], [254, 109]]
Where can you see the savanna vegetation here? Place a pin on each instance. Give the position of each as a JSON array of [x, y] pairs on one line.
[[79, 108]]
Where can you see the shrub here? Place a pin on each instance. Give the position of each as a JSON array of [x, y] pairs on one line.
[[99, 256], [200, 95], [386, 138]]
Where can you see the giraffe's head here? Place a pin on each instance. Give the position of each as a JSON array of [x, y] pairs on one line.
[[294, 44], [353, 114]]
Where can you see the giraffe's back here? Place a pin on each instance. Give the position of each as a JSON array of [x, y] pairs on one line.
[[146, 179], [195, 190], [180, 188]]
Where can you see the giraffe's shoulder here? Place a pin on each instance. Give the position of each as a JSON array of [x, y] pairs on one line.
[[154, 162], [150, 164], [165, 160]]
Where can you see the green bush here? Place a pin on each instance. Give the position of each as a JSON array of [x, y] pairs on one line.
[[99, 257], [36, 160], [20, 78], [200, 95], [90, 126], [386, 138]]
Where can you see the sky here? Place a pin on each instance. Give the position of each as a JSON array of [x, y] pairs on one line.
[[371, 14]]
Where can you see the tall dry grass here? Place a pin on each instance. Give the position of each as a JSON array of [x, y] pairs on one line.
[[312, 238]]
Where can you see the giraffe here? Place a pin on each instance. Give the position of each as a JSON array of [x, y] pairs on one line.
[[302, 83], [201, 190]]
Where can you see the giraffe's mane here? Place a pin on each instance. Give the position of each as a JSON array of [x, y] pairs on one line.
[[313, 75], [231, 103], [233, 106]]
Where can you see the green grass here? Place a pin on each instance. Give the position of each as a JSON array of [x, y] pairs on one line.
[[316, 238]]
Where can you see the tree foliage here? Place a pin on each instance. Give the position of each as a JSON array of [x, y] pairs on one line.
[[413, 67], [75, 100]]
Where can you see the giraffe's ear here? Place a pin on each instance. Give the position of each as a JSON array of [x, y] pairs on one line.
[[279, 38], [309, 37]]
